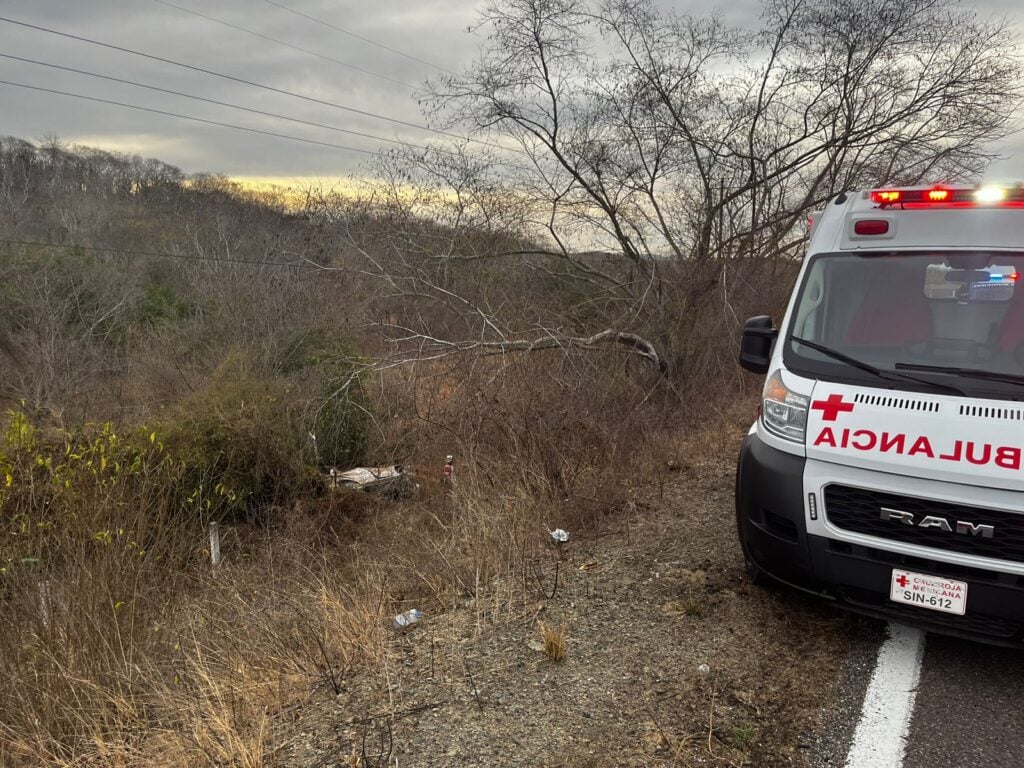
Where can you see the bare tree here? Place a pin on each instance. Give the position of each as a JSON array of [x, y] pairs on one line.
[[638, 158]]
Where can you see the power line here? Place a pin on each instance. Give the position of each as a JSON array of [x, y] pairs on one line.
[[243, 81], [287, 44], [164, 254], [211, 101], [232, 106], [358, 37], [192, 118]]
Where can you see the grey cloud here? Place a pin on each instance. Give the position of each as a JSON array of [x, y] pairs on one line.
[[434, 30]]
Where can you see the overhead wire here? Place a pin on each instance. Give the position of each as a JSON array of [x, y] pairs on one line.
[[253, 84], [358, 36], [217, 102], [183, 94], [192, 118], [286, 44]]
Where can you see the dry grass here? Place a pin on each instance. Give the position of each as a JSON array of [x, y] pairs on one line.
[[159, 667], [555, 640], [156, 661], [183, 673]]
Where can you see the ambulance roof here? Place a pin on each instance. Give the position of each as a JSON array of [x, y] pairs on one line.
[[958, 217]]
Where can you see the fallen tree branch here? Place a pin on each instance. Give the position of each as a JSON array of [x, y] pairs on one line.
[[635, 344]]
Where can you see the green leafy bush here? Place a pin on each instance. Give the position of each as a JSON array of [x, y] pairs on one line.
[[240, 443], [161, 304], [324, 366], [238, 446], [61, 488]]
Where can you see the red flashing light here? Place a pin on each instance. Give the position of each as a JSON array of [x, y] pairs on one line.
[[1014, 277], [962, 197], [871, 227], [885, 196]]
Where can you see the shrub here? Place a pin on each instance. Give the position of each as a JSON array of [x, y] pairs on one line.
[[63, 489], [234, 448], [323, 365], [161, 304], [240, 443]]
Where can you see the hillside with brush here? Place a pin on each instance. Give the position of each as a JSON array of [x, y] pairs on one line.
[[178, 352]]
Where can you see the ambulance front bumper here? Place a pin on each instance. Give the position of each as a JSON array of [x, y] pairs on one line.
[[770, 513]]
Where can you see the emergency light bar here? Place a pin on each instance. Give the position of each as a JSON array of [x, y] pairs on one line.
[[961, 197]]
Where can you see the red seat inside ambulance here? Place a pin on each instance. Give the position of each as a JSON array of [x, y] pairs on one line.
[[894, 312], [1011, 335]]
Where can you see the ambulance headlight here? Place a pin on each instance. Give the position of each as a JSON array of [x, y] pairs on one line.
[[783, 411]]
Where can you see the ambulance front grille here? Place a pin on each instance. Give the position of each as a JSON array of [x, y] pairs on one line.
[[860, 511]]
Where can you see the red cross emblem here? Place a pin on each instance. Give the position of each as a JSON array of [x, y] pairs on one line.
[[902, 580], [832, 407]]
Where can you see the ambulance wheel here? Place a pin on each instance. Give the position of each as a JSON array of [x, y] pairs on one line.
[[755, 575]]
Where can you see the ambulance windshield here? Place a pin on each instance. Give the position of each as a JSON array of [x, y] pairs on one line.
[[947, 314]]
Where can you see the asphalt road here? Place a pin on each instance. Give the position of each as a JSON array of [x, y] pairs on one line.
[[968, 712], [970, 707]]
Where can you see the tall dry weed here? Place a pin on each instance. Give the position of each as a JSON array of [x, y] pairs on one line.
[[112, 658]]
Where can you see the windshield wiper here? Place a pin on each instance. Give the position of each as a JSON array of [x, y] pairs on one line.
[[853, 362], [969, 373]]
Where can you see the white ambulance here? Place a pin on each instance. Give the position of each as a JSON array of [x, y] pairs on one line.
[[885, 470]]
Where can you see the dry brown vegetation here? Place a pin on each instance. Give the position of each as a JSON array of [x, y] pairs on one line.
[[555, 640], [124, 647], [175, 352]]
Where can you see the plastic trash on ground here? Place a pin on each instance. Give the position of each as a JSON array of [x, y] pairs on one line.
[[405, 620], [559, 536]]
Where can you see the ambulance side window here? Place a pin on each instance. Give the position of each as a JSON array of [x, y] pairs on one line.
[[809, 318]]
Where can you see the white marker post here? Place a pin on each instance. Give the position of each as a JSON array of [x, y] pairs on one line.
[[45, 603], [214, 544]]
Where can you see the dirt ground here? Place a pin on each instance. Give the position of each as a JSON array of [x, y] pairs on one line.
[[673, 658]]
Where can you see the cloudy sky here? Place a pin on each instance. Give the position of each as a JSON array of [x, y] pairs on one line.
[[433, 35]]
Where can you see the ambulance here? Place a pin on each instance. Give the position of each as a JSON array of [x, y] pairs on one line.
[[885, 470]]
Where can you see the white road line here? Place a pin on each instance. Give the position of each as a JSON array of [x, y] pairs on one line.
[[880, 740]]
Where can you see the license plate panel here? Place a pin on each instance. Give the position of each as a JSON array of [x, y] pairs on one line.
[[932, 592]]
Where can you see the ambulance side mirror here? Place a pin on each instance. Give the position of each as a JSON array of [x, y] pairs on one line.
[[756, 344]]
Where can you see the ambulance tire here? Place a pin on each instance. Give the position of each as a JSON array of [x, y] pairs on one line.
[[755, 575]]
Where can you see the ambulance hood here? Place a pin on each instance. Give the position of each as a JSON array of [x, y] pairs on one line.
[[954, 439]]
